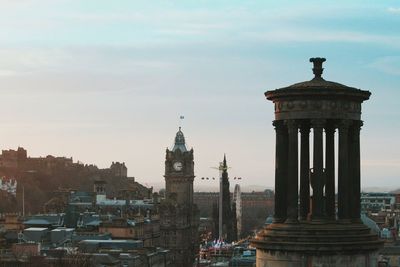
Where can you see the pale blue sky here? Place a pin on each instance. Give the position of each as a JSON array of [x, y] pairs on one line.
[[106, 81]]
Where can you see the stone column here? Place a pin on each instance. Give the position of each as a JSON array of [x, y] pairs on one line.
[[292, 186], [330, 171], [304, 170], [355, 170], [344, 184], [317, 174], [280, 171]]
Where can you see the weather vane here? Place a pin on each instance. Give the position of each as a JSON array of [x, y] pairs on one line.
[[181, 117]]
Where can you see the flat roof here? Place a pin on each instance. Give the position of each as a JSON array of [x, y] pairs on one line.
[[36, 229], [63, 229], [110, 241]]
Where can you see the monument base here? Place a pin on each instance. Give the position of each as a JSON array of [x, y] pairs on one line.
[[293, 259], [317, 244]]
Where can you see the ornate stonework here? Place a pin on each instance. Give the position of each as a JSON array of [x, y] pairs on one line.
[[178, 215], [317, 108], [306, 230]]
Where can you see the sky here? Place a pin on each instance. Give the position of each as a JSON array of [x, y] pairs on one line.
[[104, 81]]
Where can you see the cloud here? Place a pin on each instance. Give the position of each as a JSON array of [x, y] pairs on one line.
[[161, 24], [296, 34], [111, 60], [5, 72], [394, 10], [389, 65], [381, 163]]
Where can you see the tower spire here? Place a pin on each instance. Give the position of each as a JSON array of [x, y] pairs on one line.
[[224, 164], [179, 141]]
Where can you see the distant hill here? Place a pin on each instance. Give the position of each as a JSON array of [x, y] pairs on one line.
[[377, 189], [397, 191], [243, 188], [42, 177]]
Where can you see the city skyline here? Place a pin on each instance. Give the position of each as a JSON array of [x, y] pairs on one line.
[[103, 82]]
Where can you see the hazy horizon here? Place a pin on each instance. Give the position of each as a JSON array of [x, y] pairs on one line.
[[104, 81]]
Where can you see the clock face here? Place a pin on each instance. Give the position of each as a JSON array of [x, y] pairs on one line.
[[178, 166]]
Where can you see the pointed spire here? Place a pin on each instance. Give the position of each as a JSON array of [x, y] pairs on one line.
[[225, 167]]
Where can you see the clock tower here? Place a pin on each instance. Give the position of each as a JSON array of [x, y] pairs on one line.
[[179, 172], [178, 215]]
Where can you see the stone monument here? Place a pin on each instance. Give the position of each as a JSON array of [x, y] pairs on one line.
[[308, 228]]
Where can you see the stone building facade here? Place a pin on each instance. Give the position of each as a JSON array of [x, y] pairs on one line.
[[178, 214]]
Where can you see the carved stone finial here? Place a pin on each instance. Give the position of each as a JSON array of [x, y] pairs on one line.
[[317, 69]]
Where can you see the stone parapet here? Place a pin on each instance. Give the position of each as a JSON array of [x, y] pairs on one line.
[[318, 238]]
